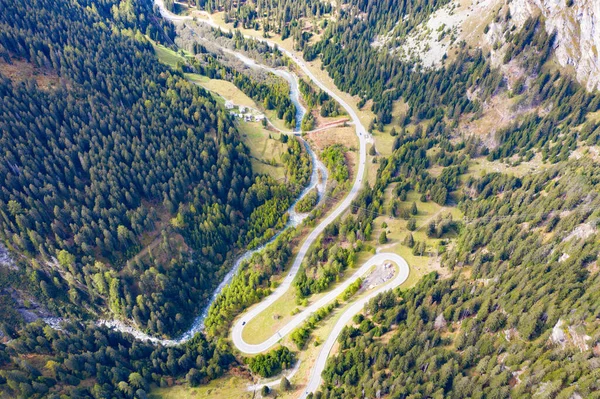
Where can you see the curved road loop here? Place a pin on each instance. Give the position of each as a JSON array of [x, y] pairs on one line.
[[402, 274], [251, 349]]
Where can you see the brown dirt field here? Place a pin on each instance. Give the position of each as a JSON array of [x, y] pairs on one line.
[[339, 135], [321, 122], [20, 71]]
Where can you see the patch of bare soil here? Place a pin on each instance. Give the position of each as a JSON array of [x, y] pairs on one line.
[[379, 276], [6, 260], [435, 265], [27, 306], [322, 122], [497, 114], [339, 135], [20, 71], [582, 231]]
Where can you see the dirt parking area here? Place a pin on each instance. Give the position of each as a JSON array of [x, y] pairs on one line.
[[382, 274]]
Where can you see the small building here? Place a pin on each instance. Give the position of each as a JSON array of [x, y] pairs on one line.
[[242, 109], [229, 104], [259, 118], [248, 118]]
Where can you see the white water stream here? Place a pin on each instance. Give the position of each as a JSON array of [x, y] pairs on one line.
[[318, 179]]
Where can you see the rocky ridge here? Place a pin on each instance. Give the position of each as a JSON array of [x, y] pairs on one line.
[[577, 30]]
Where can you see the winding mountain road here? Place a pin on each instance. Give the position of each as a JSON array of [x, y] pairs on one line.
[[401, 275], [238, 328]]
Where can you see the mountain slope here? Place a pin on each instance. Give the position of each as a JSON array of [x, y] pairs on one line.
[[577, 28], [124, 188]]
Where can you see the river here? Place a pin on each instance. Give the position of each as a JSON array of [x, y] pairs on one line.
[[318, 180]]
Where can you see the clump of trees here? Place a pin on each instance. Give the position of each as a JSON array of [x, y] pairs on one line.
[[96, 362], [284, 18], [485, 334], [334, 158], [317, 98], [307, 203], [271, 363], [331, 260], [301, 335], [308, 122]]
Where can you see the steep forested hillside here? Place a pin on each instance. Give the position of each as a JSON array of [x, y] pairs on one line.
[[530, 248], [125, 191], [126, 183], [84, 362]]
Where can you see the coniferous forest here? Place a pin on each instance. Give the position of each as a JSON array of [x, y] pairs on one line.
[[127, 191], [122, 149]]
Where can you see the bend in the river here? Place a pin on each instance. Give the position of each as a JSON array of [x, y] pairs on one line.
[[318, 180], [402, 273]]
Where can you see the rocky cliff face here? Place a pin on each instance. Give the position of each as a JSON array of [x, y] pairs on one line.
[[577, 28], [577, 33]]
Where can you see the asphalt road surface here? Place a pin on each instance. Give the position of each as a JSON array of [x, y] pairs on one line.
[[356, 307], [238, 328]]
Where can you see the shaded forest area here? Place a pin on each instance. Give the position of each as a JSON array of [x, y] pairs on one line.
[[84, 362], [124, 151]]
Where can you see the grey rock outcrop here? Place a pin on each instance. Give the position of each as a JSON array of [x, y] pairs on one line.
[[577, 33]]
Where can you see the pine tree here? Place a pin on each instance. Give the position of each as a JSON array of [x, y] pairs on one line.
[[409, 241], [431, 230], [413, 209], [383, 237], [285, 384]]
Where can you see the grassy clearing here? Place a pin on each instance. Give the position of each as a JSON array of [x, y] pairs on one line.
[[265, 152], [230, 387], [481, 166], [345, 135], [278, 123], [384, 141], [271, 319], [396, 232], [593, 116], [168, 56], [224, 89]]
